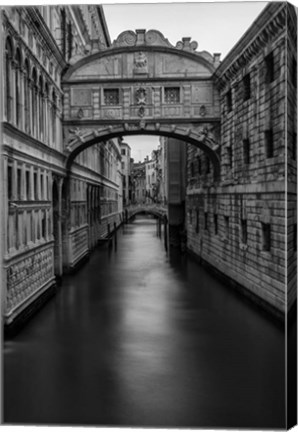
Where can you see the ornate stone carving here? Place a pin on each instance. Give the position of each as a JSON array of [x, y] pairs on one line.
[[141, 96], [126, 38], [186, 45], [74, 135], [141, 37], [140, 63]]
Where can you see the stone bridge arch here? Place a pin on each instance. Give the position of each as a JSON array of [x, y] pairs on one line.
[[142, 85], [201, 137]]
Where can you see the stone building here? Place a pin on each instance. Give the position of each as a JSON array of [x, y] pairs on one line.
[[52, 216], [139, 183], [63, 186], [126, 168], [241, 225]]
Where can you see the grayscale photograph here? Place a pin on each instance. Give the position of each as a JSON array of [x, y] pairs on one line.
[[149, 215]]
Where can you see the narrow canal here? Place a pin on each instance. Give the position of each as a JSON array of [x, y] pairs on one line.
[[142, 337]]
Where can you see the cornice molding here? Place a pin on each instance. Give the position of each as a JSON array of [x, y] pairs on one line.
[[270, 24], [12, 131]]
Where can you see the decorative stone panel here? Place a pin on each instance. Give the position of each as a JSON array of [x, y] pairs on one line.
[[27, 275]]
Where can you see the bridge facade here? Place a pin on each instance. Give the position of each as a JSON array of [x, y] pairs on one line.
[[142, 85]]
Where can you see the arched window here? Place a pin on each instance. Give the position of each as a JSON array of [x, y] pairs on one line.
[[27, 96], [40, 108], [8, 76], [18, 88], [46, 112], [34, 102], [53, 116]]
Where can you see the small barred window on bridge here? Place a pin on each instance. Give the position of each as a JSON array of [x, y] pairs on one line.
[[172, 95], [111, 96]]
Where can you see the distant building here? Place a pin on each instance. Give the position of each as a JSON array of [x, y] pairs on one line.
[[52, 217], [139, 183], [126, 167]]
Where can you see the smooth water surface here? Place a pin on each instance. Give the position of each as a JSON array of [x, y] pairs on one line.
[[142, 337]]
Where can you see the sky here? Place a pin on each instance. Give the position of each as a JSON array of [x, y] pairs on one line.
[[216, 26]]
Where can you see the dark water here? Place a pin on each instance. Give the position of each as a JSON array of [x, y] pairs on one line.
[[139, 337]]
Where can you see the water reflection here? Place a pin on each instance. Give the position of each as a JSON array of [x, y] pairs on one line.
[[145, 337]]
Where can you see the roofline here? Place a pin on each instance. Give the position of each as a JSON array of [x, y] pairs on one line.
[[103, 22], [272, 9]]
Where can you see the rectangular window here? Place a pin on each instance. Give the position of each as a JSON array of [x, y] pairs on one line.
[[123, 151], [190, 216], [266, 236], [9, 182], [35, 186], [19, 183], [27, 177], [246, 87], [206, 221], [111, 96], [215, 224], [269, 143], [229, 100], [246, 151], [269, 64], [123, 165], [230, 156], [244, 231], [43, 225], [172, 95], [41, 187]]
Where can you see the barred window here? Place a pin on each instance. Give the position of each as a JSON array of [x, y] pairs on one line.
[[269, 143], [229, 100], [244, 231], [8, 73], [111, 96], [266, 236], [246, 151], [246, 87], [269, 62], [172, 95]]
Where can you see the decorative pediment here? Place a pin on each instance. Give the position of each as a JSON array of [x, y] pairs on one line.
[[130, 38]]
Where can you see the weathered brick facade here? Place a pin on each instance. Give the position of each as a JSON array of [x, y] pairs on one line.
[[240, 225]]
